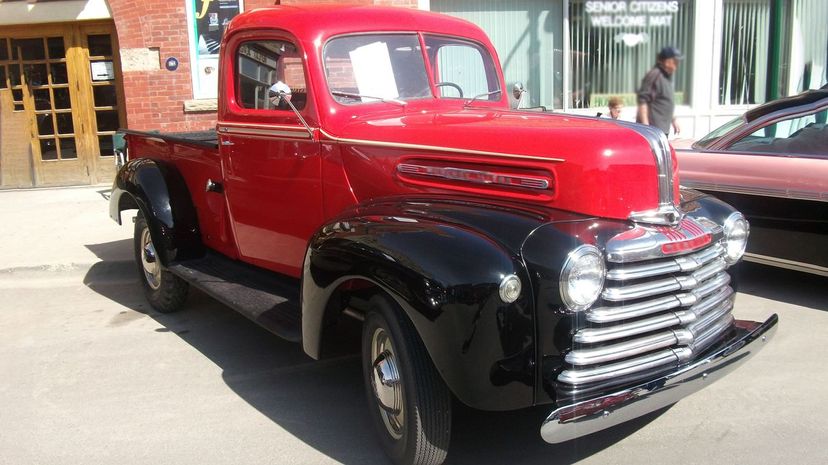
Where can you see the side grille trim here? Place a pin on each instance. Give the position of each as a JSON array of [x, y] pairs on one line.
[[661, 286], [629, 348], [648, 362], [685, 263], [660, 304]]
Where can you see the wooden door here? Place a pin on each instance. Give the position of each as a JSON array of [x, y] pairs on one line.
[[65, 79]]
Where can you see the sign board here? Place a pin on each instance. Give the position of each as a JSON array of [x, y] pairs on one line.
[[631, 13], [373, 72], [102, 71], [207, 20]]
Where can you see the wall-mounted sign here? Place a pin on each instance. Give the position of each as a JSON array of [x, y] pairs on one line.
[[207, 20], [171, 64], [631, 13], [102, 71]]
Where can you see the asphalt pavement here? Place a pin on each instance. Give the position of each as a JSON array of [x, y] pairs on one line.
[[90, 374]]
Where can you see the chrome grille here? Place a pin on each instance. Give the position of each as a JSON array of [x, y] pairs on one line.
[[653, 314]]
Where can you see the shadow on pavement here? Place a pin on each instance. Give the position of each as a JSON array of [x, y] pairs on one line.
[[115, 251], [783, 285], [323, 402]]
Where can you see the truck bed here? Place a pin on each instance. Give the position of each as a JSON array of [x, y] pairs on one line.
[[208, 139]]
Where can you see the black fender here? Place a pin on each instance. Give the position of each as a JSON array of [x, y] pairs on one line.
[[545, 253], [158, 190], [442, 263]]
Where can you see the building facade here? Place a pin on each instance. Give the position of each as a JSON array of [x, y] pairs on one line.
[[73, 71]]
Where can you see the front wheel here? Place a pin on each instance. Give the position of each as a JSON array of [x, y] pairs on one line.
[[165, 291], [409, 403]]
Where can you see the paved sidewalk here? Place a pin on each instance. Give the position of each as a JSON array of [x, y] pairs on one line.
[[60, 229]]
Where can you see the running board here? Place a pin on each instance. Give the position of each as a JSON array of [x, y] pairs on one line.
[[267, 298]]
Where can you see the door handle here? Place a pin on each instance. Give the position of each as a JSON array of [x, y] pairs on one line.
[[213, 186], [227, 142]]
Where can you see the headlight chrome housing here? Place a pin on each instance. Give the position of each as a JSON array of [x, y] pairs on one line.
[[582, 277], [736, 232], [510, 288]]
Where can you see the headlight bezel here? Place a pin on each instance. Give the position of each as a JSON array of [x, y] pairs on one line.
[[733, 221], [574, 259]]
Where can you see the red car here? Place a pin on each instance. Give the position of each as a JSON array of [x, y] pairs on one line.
[[772, 165]]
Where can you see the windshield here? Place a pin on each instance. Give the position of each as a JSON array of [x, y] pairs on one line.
[[391, 68], [717, 134], [368, 68], [462, 69]]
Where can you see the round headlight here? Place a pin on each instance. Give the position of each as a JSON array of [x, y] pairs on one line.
[[736, 231], [582, 277]]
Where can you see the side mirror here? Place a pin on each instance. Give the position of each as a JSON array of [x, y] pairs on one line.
[[518, 90]]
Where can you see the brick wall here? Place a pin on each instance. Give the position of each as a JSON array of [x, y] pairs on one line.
[[155, 97]]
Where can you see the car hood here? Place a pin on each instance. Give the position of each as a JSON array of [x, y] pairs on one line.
[[597, 167]]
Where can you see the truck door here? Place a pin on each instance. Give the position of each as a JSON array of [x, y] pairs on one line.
[[271, 163]]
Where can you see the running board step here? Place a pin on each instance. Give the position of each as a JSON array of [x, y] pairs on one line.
[[267, 298]]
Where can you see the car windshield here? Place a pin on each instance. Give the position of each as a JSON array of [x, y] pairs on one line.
[[462, 69], [717, 134], [370, 68], [391, 68]]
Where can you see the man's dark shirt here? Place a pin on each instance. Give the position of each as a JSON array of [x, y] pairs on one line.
[[657, 92]]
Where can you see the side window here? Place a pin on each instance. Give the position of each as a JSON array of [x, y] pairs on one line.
[[268, 73], [804, 134]]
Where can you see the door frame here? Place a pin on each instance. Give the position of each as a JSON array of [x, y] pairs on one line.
[[49, 172]]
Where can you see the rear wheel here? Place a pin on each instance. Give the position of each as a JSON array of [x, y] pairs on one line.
[[165, 291], [409, 403]]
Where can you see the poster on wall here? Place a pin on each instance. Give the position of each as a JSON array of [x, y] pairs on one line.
[[207, 21]]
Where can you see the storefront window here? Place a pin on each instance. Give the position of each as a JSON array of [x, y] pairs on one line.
[[743, 75], [207, 20], [614, 43], [809, 46], [771, 49]]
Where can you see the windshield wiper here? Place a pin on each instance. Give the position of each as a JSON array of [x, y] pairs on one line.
[[469, 102], [382, 99]]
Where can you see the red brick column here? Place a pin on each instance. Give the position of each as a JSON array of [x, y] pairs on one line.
[[155, 98]]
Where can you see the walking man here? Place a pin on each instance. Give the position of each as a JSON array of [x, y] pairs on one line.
[[656, 99]]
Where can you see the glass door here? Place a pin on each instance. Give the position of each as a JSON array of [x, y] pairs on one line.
[[106, 98], [40, 85], [64, 80]]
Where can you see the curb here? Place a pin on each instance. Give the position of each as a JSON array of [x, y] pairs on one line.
[[89, 274]]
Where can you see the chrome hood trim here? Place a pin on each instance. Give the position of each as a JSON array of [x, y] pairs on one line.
[[647, 242], [666, 213]]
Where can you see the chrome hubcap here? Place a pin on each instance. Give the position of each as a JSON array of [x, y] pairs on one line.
[[386, 382], [149, 261]]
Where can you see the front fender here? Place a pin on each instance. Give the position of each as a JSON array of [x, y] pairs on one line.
[[445, 276], [157, 189]]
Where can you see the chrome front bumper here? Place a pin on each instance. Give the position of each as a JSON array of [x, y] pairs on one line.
[[588, 416]]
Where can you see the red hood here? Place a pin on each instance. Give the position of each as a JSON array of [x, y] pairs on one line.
[[599, 167]]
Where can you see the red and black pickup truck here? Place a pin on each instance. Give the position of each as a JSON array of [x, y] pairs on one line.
[[366, 164]]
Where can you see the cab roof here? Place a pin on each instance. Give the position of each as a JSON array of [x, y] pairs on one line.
[[317, 23]]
